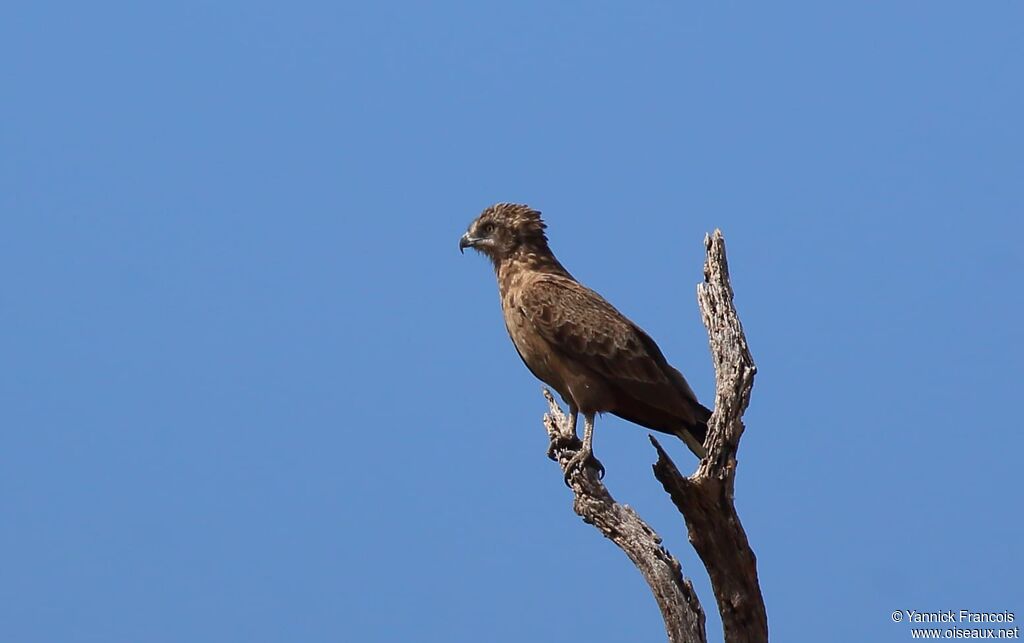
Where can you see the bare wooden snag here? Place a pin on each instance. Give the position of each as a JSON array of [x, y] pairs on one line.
[[705, 499]]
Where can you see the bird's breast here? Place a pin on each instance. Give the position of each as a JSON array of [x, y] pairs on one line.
[[530, 345]]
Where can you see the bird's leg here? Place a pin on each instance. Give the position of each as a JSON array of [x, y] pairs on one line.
[[585, 456], [565, 439]]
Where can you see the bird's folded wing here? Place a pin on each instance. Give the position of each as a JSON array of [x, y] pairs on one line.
[[582, 326]]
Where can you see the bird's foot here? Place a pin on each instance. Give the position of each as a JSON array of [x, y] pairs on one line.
[[583, 458], [563, 442]]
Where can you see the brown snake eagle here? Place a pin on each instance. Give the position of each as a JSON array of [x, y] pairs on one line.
[[576, 342]]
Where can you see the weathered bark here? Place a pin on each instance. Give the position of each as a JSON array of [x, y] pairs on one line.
[[705, 499], [680, 608]]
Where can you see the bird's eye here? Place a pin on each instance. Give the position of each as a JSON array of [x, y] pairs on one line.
[[487, 228]]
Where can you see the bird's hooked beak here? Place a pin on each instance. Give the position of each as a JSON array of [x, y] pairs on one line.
[[467, 241]]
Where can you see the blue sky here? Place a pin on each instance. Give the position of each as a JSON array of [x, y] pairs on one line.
[[253, 392]]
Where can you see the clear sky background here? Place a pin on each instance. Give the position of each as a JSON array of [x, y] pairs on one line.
[[252, 391]]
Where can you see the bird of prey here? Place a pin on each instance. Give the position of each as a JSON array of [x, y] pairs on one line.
[[576, 342]]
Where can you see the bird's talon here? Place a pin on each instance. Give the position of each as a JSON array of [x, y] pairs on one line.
[[568, 474], [583, 459], [552, 447], [561, 443]]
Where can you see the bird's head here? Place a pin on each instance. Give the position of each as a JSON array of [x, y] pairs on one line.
[[504, 228]]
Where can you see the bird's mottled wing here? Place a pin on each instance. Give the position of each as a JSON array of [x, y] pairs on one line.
[[582, 326]]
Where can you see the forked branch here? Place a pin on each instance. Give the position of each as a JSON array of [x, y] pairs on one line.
[[706, 498]]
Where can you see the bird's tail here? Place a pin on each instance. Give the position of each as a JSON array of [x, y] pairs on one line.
[[695, 434]]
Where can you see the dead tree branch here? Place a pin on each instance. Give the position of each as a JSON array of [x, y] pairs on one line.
[[705, 499], [680, 608]]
